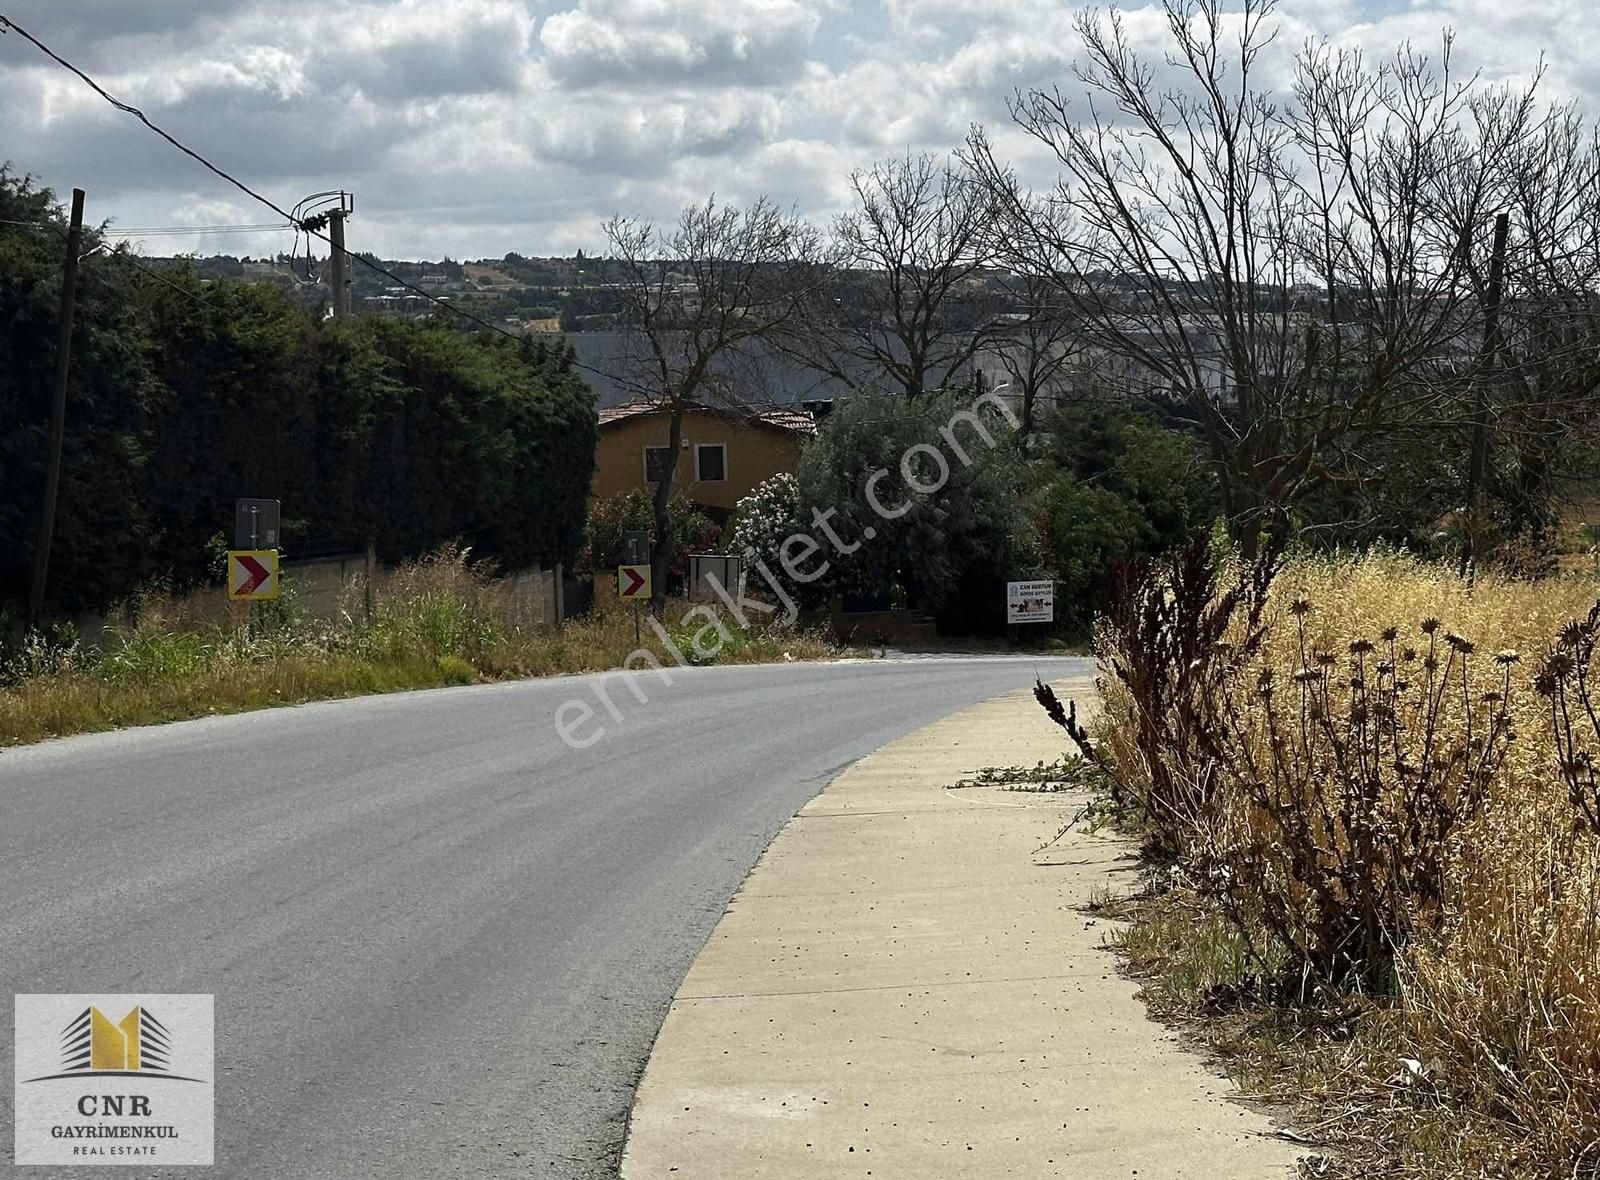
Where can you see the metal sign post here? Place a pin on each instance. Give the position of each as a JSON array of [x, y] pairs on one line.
[[252, 573], [255, 524], [633, 585], [633, 575]]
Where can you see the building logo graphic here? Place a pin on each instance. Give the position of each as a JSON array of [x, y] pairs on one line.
[[94, 1044], [93, 1087]]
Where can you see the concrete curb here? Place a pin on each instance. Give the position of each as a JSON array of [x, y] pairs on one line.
[[905, 987]]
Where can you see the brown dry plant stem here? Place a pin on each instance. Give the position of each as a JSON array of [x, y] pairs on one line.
[[1399, 836], [1564, 681], [1173, 636]]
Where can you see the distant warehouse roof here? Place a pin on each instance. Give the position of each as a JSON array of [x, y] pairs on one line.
[[753, 373]]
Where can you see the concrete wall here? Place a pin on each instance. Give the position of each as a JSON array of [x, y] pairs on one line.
[[754, 453], [533, 597], [326, 587], [873, 626]]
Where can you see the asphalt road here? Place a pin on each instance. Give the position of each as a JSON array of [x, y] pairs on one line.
[[441, 941]]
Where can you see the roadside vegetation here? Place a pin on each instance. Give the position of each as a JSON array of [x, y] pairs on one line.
[[1366, 789], [440, 620], [186, 395], [1088, 485]]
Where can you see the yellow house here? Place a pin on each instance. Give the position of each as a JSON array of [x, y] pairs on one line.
[[724, 456]]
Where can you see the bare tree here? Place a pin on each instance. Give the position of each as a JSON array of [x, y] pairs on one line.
[[1035, 343], [910, 303], [1275, 262], [693, 297], [1543, 367]]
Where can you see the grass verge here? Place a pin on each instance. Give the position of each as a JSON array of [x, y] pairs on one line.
[[437, 622], [1341, 1076], [1406, 956]]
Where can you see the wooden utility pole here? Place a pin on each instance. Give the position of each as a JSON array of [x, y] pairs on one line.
[[1479, 462], [339, 264], [58, 410], [339, 277]]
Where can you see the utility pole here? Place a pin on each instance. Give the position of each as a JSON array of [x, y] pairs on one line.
[[340, 264], [327, 210], [58, 410], [1479, 462], [339, 277]]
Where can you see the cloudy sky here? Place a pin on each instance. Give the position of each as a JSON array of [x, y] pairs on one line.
[[474, 127]]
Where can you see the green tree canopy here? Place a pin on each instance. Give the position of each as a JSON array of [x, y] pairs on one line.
[[971, 531], [185, 394]]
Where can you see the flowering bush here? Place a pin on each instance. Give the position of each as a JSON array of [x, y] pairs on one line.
[[765, 518]]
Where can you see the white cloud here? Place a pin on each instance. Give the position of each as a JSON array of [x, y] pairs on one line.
[[479, 126], [700, 42]]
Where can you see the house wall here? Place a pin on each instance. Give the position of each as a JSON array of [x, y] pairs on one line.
[[754, 453]]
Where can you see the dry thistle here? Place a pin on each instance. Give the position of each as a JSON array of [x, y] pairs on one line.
[[1573, 634], [1558, 665]]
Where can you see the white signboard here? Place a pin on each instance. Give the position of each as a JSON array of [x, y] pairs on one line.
[[114, 1079], [1030, 602]]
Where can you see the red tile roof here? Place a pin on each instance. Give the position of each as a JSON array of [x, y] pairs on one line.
[[797, 421]]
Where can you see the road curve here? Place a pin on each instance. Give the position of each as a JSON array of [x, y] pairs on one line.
[[440, 939]]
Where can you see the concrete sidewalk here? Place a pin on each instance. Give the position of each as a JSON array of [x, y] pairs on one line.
[[904, 988]]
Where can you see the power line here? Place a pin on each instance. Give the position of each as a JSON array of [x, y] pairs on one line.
[[12, 25], [307, 225], [174, 231], [170, 230], [156, 274], [138, 114], [298, 224], [122, 254]]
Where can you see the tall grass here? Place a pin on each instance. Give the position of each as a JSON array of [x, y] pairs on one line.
[[1381, 796], [438, 621]]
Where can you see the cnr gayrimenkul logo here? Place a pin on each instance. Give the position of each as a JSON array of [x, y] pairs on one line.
[[114, 1079]]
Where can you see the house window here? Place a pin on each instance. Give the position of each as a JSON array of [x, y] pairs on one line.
[[657, 463], [710, 462]]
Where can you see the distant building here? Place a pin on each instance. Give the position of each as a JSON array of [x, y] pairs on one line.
[[725, 454], [266, 272]]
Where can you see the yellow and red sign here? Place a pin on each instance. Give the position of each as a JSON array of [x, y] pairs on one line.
[[633, 582], [252, 575]]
